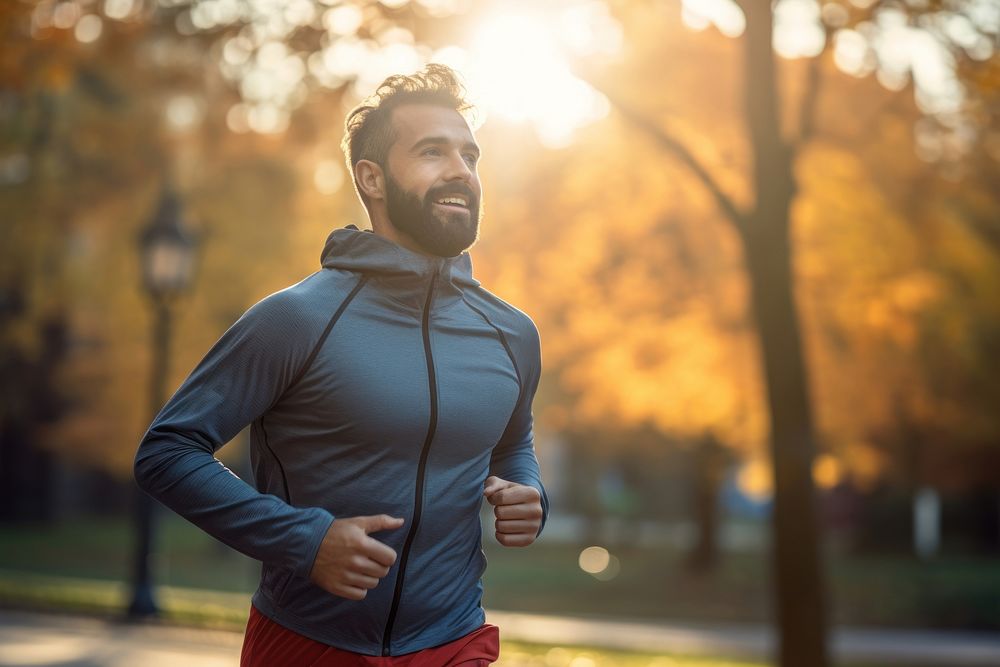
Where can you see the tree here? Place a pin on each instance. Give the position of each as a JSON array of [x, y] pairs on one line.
[[763, 227], [689, 333]]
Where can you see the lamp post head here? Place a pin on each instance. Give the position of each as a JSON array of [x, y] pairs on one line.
[[167, 249]]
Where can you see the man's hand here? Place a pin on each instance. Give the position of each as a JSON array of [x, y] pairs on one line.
[[518, 509], [349, 562]]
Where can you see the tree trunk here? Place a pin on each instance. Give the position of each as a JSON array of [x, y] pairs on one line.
[[796, 554], [800, 596], [764, 232], [709, 469]]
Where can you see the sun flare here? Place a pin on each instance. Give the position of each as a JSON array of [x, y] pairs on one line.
[[518, 65]]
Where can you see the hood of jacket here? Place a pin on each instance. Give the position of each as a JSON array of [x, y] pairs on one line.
[[362, 251]]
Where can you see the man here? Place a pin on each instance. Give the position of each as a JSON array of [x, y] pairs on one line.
[[388, 394]]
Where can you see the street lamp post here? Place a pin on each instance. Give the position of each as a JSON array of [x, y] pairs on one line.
[[167, 250]]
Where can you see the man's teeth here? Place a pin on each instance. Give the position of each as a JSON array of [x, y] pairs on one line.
[[457, 201]]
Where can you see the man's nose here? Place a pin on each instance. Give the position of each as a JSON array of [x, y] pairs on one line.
[[458, 169]]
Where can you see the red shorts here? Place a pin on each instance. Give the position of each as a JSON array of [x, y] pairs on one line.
[[268, 644]]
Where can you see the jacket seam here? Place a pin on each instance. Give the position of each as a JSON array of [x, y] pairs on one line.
[[326, 333], [301, 373], [506, 347], [274, 455]]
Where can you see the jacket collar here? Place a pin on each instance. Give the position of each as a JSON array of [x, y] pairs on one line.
[[405, 273]]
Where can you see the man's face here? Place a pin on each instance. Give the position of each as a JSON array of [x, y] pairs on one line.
[[432, 185]]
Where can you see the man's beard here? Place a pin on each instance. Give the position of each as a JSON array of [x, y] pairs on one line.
[[438, 233]]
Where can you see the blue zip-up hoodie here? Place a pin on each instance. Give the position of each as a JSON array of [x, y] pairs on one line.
[[386, 383]]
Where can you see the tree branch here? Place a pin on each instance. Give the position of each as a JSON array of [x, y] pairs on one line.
[[675, 147]]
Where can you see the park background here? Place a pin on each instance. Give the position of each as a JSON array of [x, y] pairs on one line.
[[756, 237]]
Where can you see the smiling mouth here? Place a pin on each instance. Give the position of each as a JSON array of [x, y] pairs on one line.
[[454, 202]]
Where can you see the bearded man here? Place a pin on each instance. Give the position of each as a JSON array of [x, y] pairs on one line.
[[388, 394]]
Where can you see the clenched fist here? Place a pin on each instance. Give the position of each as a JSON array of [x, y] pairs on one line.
[[518, 510], [350, 562]]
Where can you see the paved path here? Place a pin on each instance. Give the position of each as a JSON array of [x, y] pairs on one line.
[[880, 647], [52, 640]]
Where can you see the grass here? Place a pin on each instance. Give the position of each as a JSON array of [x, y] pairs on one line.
[[228, 611], [101, 548], [517, 654], [951, 592], [651, 585]]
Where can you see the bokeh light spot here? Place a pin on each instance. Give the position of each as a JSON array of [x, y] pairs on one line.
[[118, 9], [343, 20], [237, 118], [599, 563], [66, 14], [594, 559], [183, 112], [798, 31], [723, 14], [328, 177], [88, 29], [755, 480]]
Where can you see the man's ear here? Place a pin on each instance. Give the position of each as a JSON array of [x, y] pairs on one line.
[[370, 179]]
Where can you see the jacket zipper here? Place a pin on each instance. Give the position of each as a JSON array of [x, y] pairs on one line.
[[419, 493]]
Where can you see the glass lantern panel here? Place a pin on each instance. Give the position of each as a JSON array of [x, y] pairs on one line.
[[168, 267]]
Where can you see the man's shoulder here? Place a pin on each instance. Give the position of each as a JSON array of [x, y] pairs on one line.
[[299, 308], [509, 318]]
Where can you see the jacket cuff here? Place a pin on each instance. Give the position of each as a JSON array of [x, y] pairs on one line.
[[317, 527]]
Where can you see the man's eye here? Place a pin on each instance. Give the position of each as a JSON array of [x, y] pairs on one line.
[[471, 159], [431, 151]]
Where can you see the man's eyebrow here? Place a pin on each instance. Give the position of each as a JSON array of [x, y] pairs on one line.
[[440, 140]]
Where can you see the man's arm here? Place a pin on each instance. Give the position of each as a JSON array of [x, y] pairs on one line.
[[239, 379], [515, 485]]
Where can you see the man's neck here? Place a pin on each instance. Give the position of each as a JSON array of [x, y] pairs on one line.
[[384, 228]]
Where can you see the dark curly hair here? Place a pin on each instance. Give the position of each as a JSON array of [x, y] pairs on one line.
[[368, 131]]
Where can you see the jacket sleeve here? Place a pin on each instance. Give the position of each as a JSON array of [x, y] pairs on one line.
[[239, 379], [514, 457]]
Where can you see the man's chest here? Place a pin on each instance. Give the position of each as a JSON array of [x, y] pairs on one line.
[[386, 379]]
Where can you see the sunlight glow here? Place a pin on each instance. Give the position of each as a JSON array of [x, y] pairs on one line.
[[852, 54], [343, 20], [518, 66], [798, 30], [516, 62], [723, 14], [904, 51], [890, 45]]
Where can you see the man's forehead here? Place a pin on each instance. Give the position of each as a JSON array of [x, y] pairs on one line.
[[412, 122]]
